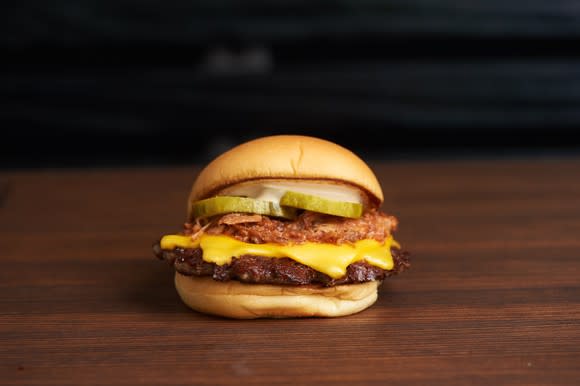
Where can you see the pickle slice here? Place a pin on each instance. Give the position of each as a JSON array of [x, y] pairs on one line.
[[228, 204], [321, 205]]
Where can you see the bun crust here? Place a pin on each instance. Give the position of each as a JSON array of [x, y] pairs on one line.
[[286, 156], [237, 300]]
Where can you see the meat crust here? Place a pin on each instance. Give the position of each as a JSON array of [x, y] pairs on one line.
[[280, 271]]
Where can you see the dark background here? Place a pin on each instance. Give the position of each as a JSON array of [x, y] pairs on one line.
[[145, 83]]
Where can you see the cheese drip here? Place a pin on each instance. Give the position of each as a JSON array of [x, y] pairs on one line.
[[326, 258]]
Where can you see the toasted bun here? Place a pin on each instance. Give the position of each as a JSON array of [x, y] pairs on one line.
[[286, 156], [249, 301]]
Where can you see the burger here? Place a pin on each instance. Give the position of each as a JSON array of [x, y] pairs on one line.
[[284, 226]]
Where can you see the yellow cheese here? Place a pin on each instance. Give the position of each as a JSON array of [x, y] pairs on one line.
[[326, 258]]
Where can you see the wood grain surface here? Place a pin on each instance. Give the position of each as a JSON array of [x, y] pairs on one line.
[[493, 296]]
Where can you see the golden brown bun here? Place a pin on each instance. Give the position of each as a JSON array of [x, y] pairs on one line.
[[286, 156], [237, 300]]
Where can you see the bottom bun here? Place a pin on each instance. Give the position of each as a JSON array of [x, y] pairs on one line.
[[238, 300]]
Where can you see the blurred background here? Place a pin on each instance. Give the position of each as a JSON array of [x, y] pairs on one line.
[[129, 82]]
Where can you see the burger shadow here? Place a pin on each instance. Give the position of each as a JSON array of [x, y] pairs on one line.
[[152, 290]]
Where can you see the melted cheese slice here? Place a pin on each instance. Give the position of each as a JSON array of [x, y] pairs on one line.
[[326, 258]]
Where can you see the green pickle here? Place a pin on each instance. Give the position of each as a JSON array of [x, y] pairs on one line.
[[321, 205], [228, 204]]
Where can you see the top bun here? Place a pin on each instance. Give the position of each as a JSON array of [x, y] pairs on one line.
[[286, 156]]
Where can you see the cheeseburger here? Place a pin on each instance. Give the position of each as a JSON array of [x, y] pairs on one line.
[[283, 226]]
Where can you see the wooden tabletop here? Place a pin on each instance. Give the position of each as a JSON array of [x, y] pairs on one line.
[[493, 296]]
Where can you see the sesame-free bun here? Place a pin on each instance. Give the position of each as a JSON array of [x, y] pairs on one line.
[[286, 157], [237, 300]]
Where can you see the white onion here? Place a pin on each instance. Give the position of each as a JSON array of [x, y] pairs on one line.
[[273, 190]]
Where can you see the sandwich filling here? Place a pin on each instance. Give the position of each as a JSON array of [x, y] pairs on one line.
[[313, 248]]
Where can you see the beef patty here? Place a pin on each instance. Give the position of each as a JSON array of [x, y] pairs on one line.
[[279, 271]]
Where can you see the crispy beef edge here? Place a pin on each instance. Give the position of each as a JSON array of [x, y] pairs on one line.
[[279, 271]]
